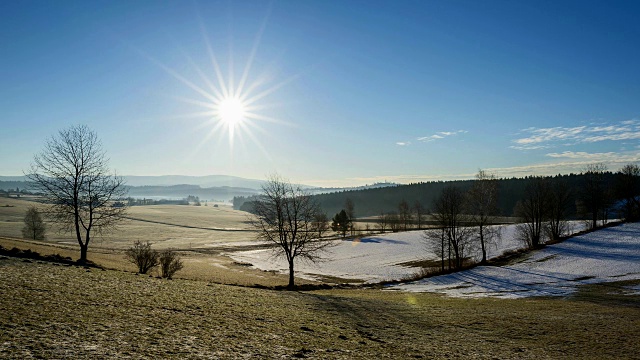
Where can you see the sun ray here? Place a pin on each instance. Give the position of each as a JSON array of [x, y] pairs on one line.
[[254, 50], [217, 93], [208, 105], [267, 119], [270, 90], [214, 60]]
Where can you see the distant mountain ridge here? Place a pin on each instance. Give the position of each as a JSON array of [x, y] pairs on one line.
[[208, 181], [210, 187]]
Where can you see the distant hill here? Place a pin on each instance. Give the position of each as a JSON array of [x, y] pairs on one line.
[[208, 181], [219, 193], [170, 180]]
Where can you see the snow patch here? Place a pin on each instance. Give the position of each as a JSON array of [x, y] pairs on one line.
[[611, 254]]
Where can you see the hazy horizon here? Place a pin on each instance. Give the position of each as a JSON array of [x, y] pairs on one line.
[[329, 93]]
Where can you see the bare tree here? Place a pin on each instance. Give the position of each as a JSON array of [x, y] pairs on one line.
[[593, 195], [628, 190], [419, 212], [436, 241], [559, 202], [349, 209], [482, 203], [72, 174], [404, 214], [283, 217], [34, 228], [448, 212], [382, 222], [394, 221], [533, 211], [320, 223]]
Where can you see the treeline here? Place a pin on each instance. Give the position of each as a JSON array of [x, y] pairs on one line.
[[144, 202], [374, 202]]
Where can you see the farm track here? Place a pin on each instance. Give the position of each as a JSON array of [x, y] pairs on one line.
[[190, 226]]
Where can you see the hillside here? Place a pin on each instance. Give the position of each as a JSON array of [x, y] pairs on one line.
[[51, 311]]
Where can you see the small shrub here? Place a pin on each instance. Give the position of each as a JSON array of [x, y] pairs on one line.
[[143, 256], [170, 263]]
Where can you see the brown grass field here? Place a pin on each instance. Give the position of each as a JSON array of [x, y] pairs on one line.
[[52, 311]]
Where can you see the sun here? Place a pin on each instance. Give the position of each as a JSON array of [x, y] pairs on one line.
[[231, 111]]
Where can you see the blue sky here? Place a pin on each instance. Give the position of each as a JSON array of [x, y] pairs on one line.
[[335, 92]]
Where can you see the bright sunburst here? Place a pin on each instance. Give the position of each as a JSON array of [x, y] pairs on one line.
[[231, 111], [230, 104]]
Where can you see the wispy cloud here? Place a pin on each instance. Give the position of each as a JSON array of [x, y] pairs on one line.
[[403, 143], [441, 135], [544, 138], [585, 155]]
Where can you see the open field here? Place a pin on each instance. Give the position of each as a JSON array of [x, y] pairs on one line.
[[166, 226], [200, 249], [49, 311]]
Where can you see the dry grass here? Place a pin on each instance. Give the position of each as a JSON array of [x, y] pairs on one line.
[[49, 311], [166, 226]]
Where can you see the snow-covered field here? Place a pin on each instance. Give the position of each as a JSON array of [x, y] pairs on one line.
[[374, 258], [607, 255]]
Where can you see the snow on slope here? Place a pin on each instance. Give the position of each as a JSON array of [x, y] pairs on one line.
[[611, 254], [374, 258], [371, 259]]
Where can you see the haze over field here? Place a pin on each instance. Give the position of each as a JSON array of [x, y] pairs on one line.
[[327, 93]]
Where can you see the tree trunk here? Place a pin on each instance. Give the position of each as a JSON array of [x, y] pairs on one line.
[[83, 253], [291, 278], [442, 249], [484, 250]]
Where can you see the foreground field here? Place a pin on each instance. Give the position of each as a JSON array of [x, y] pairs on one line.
[[49, 311]]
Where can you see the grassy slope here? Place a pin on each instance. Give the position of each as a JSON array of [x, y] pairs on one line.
[[56, 312]]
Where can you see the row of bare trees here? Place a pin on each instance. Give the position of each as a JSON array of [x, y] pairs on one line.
[[404, 219], [463, 220]]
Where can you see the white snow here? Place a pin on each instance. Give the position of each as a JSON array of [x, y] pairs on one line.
[[374, 258], [611, 254]]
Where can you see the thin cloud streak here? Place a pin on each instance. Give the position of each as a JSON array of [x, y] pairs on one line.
[[441, 135], [575, 163], [544, 138], [437, 136]]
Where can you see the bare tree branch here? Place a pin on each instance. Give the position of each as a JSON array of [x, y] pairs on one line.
[[72, 175], [284, 217]]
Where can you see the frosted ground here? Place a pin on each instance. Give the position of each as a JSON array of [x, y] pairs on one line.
[[611, 254]]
